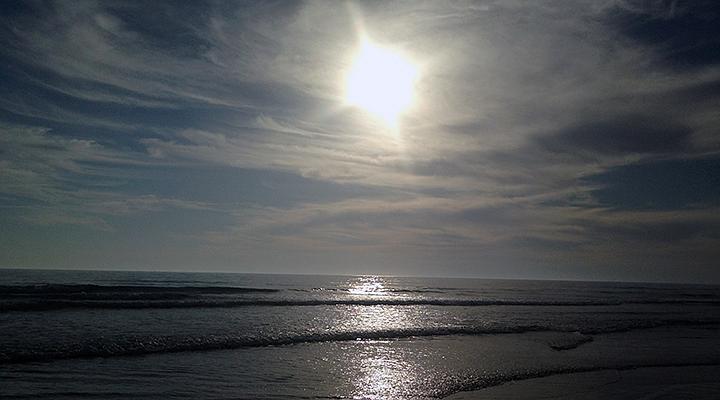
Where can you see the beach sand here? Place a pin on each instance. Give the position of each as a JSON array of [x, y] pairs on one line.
[[642, 383]]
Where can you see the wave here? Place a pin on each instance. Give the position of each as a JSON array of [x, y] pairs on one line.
[[143, 345], [55, 296], [171, 344], [170, 300], [48, 289], [90, 296], [165, 302]]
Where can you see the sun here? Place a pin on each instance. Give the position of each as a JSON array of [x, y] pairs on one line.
[[380, 81]]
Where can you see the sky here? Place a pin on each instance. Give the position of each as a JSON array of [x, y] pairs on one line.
[[545, 139]]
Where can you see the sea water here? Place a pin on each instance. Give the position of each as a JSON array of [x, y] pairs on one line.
[[102, 334]]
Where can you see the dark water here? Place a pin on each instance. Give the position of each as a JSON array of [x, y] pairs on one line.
[[70, 334]]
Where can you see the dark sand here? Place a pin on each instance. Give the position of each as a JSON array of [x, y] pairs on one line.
[[642, 383]]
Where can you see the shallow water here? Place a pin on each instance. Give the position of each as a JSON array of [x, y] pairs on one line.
[[134, 334]]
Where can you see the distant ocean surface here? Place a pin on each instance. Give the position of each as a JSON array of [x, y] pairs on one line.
[[117, 335]]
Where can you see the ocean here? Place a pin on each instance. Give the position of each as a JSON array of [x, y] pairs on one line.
[[118, 335]]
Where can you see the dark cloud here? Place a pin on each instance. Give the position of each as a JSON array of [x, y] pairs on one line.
[[662, 230], [670, 184], [696, 93], [685, 33], [621, 135]]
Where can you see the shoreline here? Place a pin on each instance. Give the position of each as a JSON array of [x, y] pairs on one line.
[[656, 382]]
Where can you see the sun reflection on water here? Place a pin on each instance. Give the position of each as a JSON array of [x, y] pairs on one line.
[[379, 317], [368, 285], [380, 370], [383, 372]]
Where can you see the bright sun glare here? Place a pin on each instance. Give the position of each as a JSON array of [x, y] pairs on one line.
[[381, 81]]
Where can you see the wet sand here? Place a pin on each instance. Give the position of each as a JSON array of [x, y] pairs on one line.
[[642, 383]]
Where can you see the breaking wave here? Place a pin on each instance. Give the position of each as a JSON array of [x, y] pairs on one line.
[[142, 345]]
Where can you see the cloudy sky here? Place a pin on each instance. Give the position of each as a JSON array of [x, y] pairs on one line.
[[547, 139]]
